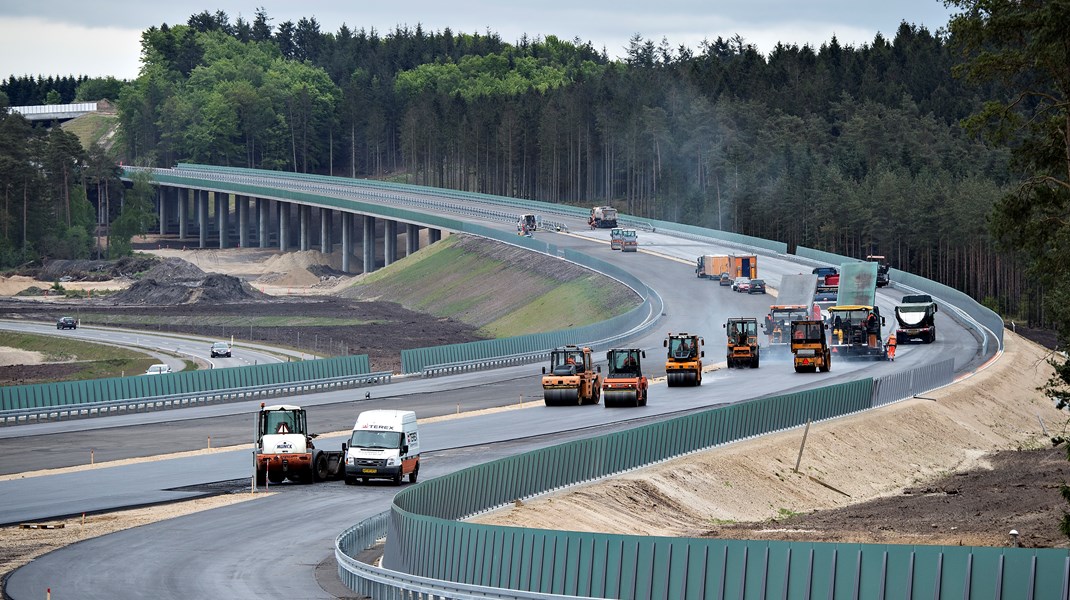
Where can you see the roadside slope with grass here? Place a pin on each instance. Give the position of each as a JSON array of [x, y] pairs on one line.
[[27, 358], [504, 290]]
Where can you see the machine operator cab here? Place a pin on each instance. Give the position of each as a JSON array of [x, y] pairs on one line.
[[682, 348], [569, 360]]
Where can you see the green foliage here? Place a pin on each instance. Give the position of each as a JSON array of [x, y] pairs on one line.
[[136, 218], [1022, 47], [98, 88], [848, 149]]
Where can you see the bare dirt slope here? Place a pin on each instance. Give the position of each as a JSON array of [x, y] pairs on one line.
[[964, 467]]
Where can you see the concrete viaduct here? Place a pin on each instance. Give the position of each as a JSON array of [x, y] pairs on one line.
[[206, 219]]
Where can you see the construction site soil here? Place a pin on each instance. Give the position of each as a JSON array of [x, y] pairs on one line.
[[175, 296]]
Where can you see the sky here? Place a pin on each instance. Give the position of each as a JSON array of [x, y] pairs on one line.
[[102, 37]]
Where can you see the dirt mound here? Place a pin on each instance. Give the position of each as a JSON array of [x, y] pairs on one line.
[[174, 268], [175, 281], [94, 270], [299, 269]]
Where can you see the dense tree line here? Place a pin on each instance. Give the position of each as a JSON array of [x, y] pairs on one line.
[[849, 149], [54, 193], [27, 90], [1022, 45], [725, 138]]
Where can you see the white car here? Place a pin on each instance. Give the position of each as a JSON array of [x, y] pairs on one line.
[[158, 369]]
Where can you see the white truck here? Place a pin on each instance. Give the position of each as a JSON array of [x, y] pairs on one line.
[[385, 444]]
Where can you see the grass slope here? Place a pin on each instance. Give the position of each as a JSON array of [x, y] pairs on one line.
[[502, 289], [80, 360]]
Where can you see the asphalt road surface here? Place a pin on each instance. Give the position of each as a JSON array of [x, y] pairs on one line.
[[270, 547]]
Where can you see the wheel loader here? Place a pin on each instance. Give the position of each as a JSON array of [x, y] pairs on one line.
[[743, 350], [284, 448], [625, 384], [810, 346], [683, 366], [572, 379]]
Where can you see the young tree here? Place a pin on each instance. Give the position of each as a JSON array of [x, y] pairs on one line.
[[136, 217]]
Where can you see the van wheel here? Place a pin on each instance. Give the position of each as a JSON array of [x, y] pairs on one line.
[[351, 480], [415, 473], [397, 479]]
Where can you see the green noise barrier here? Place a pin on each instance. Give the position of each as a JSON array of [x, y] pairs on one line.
[[44, 395], [426, 539]]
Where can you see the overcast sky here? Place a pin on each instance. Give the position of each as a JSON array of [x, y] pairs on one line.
[[102, 37]]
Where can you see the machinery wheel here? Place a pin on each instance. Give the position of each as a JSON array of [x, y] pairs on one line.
[[798, 369], [698, 377], [319, 468], [642, 401], [561, 397], [261, 477], [670, 379], [275, 477], [415, 473], [754, 362]]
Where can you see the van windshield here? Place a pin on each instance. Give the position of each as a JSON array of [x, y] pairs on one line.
[[363, 438]]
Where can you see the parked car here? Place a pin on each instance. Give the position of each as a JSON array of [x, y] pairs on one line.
[[158, 369], [220, 349], [66, 323], [757, 286], [741, 284], [726, 279]]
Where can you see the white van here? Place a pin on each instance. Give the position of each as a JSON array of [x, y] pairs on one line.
[[385, 444]]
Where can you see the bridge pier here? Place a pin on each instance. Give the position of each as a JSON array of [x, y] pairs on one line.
[[263, 215], [243, 221], [390, 242], [369, 243], [304, 216], [183, 214], [222, 218], [433, 235], [325, 230], [412, 239], [202, 218], [283, 209], [162, 192], [347, 240]]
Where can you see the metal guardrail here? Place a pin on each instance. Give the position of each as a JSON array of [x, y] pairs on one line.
[[24, 416], [486, 363]]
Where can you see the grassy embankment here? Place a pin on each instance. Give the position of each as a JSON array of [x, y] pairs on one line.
[[503, 290], [72, 360]]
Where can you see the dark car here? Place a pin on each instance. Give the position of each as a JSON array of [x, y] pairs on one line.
[[757, 286], [220, 349], [66, 323]]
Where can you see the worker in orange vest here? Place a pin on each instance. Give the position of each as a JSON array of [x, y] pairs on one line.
[[890, 346]]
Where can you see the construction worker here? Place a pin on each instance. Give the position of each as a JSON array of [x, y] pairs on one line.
[[890, 346]]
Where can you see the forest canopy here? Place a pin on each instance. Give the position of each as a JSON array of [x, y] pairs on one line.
[[854, 150]]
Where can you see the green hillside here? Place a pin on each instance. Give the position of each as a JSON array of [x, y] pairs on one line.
[[502, 289]]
